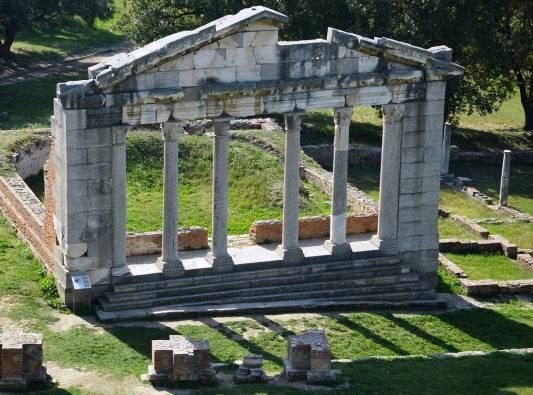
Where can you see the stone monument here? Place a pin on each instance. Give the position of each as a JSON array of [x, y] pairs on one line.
[[309, 358], [180, 359], [21, 361], [236, 67]]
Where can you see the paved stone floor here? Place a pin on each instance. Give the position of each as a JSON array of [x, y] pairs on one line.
[[145, 264]]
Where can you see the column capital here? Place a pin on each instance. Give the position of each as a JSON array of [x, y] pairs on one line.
[[119, 134], [172, 129], [221, 125], [342, 115], [293, 121], [393, 112]]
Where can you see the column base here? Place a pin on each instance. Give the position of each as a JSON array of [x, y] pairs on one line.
[[386, 247], [120, 271], [171, 268], [221, 264], [338, 250], [293, 255]]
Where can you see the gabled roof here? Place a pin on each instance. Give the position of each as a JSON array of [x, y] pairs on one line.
[[121, 66], [436, 61]]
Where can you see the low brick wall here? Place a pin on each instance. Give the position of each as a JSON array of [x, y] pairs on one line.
[[25, 212], [525, 260], [470, 246], [311, 227], [491, 287], [192, 238], [524, 157]]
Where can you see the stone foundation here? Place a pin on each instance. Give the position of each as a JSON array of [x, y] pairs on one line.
[[309, 358], [21, 361], [180, 359], [311, 227]]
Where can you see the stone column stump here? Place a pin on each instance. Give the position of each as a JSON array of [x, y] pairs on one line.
[[180, 359], [309, 358], [21, 361], [251, 370]]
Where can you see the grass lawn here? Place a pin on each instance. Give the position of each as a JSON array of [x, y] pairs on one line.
[[490, 266], [30, 103], [255, 184], [486, 178], [74, 36], [520, 233], [124, 352]]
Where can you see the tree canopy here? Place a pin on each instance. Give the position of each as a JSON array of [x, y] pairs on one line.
[[493, 39], [19, 15]]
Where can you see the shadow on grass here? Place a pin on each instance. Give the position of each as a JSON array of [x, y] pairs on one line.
[[369, 334], [495, 374], [489, 140]]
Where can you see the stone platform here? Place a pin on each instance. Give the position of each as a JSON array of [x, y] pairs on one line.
[[262, 282]]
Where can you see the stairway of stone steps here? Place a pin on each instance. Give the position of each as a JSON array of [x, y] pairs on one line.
[[371, 279]]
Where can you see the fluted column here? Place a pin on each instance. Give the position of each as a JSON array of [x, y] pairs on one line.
[[289, 249], [337, 243], [219, 256], [119, 266], [169, 262], [389, 181]]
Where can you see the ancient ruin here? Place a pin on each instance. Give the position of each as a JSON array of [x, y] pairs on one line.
[[236, 67], [180, 359], [251, 370], [309, 358], [21, 360]]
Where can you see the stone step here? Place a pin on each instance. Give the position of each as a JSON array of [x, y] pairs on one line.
[[429, 303], [134, 284], [378, 285], [260, 281]]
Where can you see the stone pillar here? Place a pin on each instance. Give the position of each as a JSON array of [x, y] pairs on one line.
[[169, 262], [506, 173], [389, 181], [219, 257], [119, 266], [446, 140], [289, 249], [337, 243]]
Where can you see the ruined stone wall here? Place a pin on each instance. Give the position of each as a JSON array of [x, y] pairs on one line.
[[21, 207], [311, 227], [192, 238]]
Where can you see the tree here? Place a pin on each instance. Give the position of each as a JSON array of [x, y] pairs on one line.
[[18, 15], [491, 38]]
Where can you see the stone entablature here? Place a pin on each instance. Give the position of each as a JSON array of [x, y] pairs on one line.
[[21, 360], [180, 359], [236, 67]]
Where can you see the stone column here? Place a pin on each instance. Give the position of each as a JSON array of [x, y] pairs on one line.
[[389, 181], [446, 140], [169, 262], [219, 257], [506, 173], [119, 266], [337, 243], [289, 249]]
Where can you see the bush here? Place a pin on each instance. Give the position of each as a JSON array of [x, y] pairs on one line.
[[49, 292]]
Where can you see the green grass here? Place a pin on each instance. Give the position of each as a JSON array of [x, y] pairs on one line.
[[448, 229], [71, 37], [487, 179], [448, 283], [255, 185], [124, 352], [490, 266], [460, 204], [30, 103], [520, 233]]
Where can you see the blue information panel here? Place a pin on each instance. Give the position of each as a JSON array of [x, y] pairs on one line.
[[81, 282]]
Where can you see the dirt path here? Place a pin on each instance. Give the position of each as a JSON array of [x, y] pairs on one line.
[[71, 64]]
